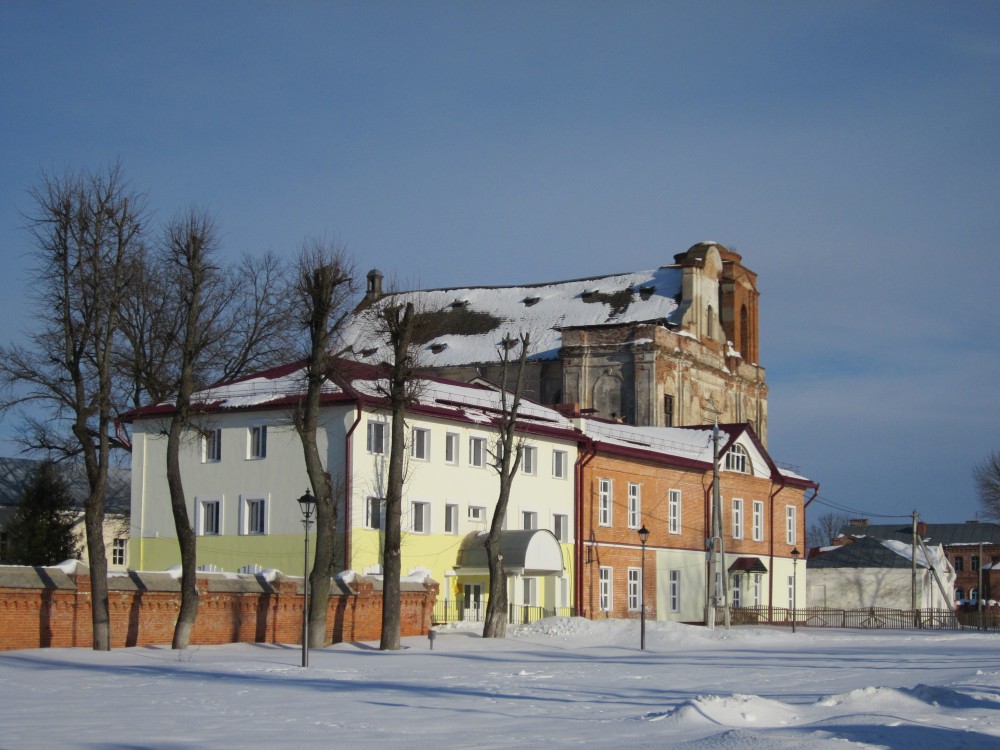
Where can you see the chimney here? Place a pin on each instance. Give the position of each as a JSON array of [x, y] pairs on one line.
[[858, 522]]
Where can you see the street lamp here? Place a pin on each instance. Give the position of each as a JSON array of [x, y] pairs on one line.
[[643, 537], [795, 583], [307, 503]]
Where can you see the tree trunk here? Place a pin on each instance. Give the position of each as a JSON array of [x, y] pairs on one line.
[[185, 535], [98, 562], [495, 625], [391, 556], [324, 560]]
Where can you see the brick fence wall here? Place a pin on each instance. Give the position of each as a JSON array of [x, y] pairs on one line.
[[50, 607]]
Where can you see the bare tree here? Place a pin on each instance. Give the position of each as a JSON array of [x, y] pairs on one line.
[[323, 286], [987, 476], [507, 461], [824, 530], [86, 229], [194, 323]]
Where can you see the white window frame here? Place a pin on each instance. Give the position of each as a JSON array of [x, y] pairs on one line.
[[477, 513], [559, 464], [211, 446], [605, 500], [119, 550], [420, 444], [477, 451], [634, 505], [737, 459], [606, 588], [529, 591], [675, 590], [791, 524], [634, 589], [529, 460], [674, 512], [737, 518], [246, 515], [375, 432], [378, 505], [737, 590], [257, 442], [420, 517], [560, 526], [758, 520], [201, 515], [451, 518], [452, 441], [529, 520], [758, 589]]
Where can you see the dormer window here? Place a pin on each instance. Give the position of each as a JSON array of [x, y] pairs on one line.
[[645, 292], [438, 348], [737, 460], [589, 294], [529, 301], [459, 304]]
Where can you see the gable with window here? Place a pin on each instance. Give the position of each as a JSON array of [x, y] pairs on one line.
[[737, 460]]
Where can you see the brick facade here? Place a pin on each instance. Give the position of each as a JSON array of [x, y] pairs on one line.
[[46, 607]]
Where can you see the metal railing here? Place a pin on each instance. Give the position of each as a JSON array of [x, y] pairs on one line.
[[517, 614], [862, 618]]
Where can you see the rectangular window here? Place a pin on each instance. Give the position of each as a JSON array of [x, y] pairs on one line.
[[675, 591], [420, 445], [737, 590], [559, 468], [420, 518], [118, 547], [529, 460], [530, 592], [376, 437], [604, 503], [757, 589], [450, 519], [258, 441], [737, 518], [451, 448], [373, 512], [790, 524], [211, 446], [634, 505], [758, 521], [605, 589], [477, 513], [209, 517], [561, 527], [254, 516], [959, 564], [634, 589], [529, 520], [674, 512], [668, 411], [975, 563], [477, 451]]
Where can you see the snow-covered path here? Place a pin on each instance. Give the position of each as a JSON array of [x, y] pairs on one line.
[[562, 682]]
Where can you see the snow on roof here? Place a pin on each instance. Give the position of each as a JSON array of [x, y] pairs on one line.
[[694, 443], [539, 309]]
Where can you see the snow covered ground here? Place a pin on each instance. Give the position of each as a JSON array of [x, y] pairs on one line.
[[560, 682]]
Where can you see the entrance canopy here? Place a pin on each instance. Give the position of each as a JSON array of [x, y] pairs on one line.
[[524, 552], [748, 565]]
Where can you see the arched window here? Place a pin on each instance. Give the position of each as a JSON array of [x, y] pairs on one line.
[[974, 596], [959, 595], [710, 323], [745, 349], [737, 460]]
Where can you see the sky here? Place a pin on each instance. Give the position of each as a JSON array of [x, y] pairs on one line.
[[847, 150], [557, 683]]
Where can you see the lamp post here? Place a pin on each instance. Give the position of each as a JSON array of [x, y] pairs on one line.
[[643, 537], [795, 583], [307, 503]]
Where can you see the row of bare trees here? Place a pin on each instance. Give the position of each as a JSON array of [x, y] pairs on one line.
[[124, 316]]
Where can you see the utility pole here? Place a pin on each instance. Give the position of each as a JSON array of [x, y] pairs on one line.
[[913, 565], [716, 545], [979, 599]]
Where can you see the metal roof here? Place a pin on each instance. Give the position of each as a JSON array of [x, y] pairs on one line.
[[868, 552], [946, 534]]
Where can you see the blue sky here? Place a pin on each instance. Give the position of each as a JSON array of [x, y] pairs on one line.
[[848, 150]]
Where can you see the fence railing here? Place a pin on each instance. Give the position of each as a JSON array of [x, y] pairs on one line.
[[863, 618], [517, 614]]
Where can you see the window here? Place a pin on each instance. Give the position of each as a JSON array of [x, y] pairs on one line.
[[254, 516], [477, 451], [559, 464], [420, 518], [420, 445], [791, 592], [605, 589], [634, 505], [376, 437], [118, 551], [373, 512], [737, 518], [529, 460], [736, 459], [477, 513], [604, 502], [258, 441], [211, 446], [529, 520], [634, 589], [450, 519], [674, 512], [737, 590], [974, 596], [790, 524], [668, 411], [757, 590], [561, 527], [758, 521], [959, 564], [530, 592], [959, 595], [208, 520], [451, 448], [975, 563], [675, 591]]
